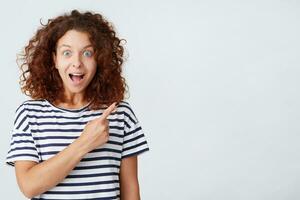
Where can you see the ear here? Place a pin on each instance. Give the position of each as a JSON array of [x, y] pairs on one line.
[[54, 59]]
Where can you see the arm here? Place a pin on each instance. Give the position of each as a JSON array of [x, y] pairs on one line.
[[34, 179], [129, 185]]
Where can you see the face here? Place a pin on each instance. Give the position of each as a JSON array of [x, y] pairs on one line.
[[75, 61]]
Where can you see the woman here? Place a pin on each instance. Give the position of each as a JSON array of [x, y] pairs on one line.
[[76, 138]]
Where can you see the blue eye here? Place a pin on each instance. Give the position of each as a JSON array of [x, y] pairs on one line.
[[67, 53], [87, 53]]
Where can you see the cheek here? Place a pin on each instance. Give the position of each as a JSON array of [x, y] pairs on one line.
[[92, 66], [62, 69], [61, 62], [61, 73], [62, 66], [94, 70]]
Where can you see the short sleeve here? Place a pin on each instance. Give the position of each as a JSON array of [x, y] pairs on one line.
[[134, 141], [22, 145]]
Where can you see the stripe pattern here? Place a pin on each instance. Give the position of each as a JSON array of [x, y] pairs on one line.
[[41, 130]]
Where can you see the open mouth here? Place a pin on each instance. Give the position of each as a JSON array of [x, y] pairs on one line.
[[76, 78]]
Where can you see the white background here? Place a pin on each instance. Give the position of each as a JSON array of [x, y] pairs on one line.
[[215, 85]]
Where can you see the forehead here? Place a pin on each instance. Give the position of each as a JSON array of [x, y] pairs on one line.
[[74, 39]]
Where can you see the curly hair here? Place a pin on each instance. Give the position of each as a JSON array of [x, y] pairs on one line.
[[41, 80]]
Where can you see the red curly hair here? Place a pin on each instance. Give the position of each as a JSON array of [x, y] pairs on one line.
[[40, 79]]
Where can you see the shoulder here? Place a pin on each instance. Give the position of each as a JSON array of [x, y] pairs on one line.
[[22, 113], [124, 105], [126, 108], [30, 104]]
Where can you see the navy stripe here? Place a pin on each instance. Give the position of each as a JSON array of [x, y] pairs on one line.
[[116, 135], [134, 139], [63, 144], [53, 145], [127, 125], [26, 128], [17, 118], [11, 163], [21, 141], [100, 158], [116, 127], [77, 117], [68, 130], [94, 151], [114, 142], [21, 135], [22, 121], [135, 130], [134, 146], [42, 111], [67, 144], [55, 137], [106, 150], [69, 123], [48, 153], [57, 123], [22, 148], [88, 183], [135, 153], [38, 105], [96, 167], [17, 110], [56, 130], [98, 198], [23, 154], [93, 175], [83, 192]]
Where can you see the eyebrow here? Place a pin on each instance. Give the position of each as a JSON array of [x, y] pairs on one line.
[[65, 45]]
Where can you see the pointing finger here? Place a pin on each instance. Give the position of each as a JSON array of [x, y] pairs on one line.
[[108, 110]]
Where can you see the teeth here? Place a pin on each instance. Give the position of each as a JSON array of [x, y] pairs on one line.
[[77, 74]]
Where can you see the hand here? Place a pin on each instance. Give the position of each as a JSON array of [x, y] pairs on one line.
[[96, 132]]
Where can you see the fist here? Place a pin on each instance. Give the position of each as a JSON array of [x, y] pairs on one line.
[[96, 132]]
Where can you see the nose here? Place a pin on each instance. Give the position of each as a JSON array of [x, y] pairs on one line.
[[76, 61]]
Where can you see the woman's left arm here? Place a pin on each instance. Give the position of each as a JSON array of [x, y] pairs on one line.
[[129, 184]]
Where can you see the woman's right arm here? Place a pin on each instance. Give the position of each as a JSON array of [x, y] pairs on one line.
[[34, 179]]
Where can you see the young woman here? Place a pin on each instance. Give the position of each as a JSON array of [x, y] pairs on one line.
[[77, 138]]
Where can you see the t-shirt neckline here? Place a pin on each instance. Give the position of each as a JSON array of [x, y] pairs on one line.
[[72, 110]]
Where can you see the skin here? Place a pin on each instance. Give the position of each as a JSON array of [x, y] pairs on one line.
[[74, 57]]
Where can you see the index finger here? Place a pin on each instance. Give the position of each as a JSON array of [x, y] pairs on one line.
[[108, 110]]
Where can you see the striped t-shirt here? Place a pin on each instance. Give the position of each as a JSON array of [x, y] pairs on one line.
[[41, 130]]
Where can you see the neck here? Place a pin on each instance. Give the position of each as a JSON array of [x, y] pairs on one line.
[[71, 101]]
